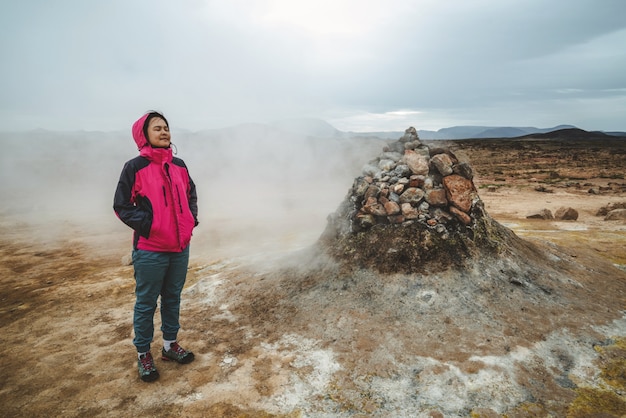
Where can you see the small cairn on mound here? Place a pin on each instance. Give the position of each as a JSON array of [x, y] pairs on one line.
[[413, 209]]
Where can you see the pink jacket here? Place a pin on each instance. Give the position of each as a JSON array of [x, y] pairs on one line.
[[156, 197]]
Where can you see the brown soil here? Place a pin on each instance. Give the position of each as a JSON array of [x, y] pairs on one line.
[[279, 331]]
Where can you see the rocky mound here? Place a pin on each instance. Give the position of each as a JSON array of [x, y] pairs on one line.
[[414, 209]]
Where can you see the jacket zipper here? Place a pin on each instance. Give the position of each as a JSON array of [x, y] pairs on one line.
[[164, 196], [176, 219]]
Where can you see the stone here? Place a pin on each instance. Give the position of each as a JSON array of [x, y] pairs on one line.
[[543, 189], [412, 195], [604, 210], [410, 135], [441, 215], [542, 214], [442, 163], [461, 216], [375, 209], [463, 170], [392, 208], [416, 181], [436, 197], [417, 163], [409, 211], [460, 191], [397, 188], [365, 220], [396, 146], [615, 215], [386, 165], [402, 170], [422, 150], [372, 191], [566, 214], [360, 186]]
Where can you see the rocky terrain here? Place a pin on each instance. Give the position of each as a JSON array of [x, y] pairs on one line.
[[286, 322]]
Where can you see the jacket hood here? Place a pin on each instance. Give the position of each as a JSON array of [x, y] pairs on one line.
[[159, 155], [138, 135]]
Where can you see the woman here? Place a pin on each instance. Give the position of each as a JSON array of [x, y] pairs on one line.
[[156, 197]]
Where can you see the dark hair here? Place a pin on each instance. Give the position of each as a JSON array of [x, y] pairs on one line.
[[151, 115]]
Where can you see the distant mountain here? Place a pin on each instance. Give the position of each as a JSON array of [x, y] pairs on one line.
[[503, 132], [616, 133], [568, 133], [468, 132]]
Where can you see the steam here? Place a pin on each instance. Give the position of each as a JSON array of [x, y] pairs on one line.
[[260, 188]]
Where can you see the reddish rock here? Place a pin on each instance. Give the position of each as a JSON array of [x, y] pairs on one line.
[[392, 208], [409, 211], [372, 191], [416, 181], [432, 222], [374, 208], [417, 163], [461, 216], [460, 191], [436, 197]]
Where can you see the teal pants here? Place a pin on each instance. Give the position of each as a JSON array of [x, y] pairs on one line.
[[157, 274]]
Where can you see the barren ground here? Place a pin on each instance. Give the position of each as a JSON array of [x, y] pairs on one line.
[[66, 315]]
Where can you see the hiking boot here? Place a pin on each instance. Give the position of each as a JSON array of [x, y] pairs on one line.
[[147, 370], [178, 354]]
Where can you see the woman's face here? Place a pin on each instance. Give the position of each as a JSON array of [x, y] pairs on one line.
[[158, 133]]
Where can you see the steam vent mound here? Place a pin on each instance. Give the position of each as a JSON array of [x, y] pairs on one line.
[[413, 209]]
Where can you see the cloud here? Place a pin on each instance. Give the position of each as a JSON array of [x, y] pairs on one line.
[[73, 65]]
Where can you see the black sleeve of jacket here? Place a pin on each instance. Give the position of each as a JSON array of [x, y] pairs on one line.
[[139, 216], [193, 200]]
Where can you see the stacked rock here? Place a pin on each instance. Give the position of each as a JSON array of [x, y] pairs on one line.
[[413, 209], [411, 182]]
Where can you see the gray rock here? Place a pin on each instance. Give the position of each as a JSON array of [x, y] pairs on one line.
[[412, 195], [542, 214], [443, 163]]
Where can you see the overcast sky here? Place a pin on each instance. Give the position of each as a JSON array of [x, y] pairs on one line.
[[361, 65]]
